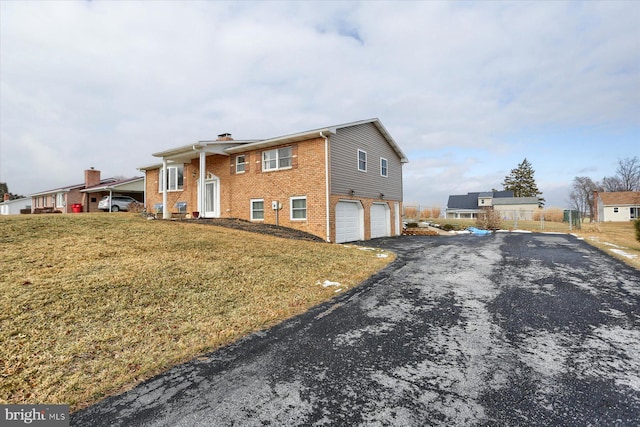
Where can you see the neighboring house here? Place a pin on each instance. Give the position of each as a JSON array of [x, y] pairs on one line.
[[342, 183], [521, 208], [616, 206], [469, 205], [86, 194], [13, 207]]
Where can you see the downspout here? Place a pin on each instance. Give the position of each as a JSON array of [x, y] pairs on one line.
[[326, 184], [144, 192], [165, 208], [201, 192]]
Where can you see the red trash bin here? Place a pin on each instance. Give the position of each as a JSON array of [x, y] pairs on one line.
[[76, 207]]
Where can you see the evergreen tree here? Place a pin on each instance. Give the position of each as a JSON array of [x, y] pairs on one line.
[[522, 182]]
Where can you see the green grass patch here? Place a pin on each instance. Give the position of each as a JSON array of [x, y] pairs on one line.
[[92, 304]]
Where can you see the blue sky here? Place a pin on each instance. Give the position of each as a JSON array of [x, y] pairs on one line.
[[467, 89]]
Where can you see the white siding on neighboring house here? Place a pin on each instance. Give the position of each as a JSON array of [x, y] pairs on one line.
[[617, 213], [13, 207]]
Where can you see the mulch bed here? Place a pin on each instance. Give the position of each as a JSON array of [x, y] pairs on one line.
[[419, 232], [270, 229]]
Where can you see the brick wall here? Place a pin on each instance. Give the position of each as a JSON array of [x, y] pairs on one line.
[[305, 178]]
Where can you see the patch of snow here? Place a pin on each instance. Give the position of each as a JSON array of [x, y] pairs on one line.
[[382, 255], [612, 245], [328, 283], [624, 254]]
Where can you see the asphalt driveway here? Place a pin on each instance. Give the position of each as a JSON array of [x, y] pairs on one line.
[[507, 329]]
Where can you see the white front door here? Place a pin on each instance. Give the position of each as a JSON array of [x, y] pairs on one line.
[[210, 198], [210, 203]]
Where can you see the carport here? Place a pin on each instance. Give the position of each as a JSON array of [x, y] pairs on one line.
[[132, 187]]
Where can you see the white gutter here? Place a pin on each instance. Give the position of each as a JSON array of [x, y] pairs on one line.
[[326, 179]]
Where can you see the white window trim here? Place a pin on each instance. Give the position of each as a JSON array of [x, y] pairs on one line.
[[386, 174], [60, 200], [244, 156], [251, 209], [162, 181], [277, 159], [366, 161], [291, 199]]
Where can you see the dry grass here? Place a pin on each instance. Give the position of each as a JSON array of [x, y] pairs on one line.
[[612, 237], [92, 304]]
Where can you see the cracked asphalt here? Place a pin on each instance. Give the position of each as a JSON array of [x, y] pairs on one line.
[[501, 330]]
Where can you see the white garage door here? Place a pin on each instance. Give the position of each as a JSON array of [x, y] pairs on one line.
[[348, 222], [380, 221]]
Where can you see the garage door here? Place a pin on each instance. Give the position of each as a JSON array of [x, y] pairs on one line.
[[380, 221], [348, 222]]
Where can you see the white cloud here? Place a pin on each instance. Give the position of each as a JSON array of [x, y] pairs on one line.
[[468, 89]]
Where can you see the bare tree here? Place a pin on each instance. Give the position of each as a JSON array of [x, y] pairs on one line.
[[581, 196], [628, 172], [627, 177]]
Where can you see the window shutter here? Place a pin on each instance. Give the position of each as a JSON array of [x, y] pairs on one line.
[[294, 156], [233, 165], [247, 163]]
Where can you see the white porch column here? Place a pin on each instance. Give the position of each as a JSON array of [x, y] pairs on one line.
[[203, 173], [165, 208]]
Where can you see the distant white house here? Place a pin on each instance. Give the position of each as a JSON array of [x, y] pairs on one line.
[[13, 207], [616, 206], [470, 204]]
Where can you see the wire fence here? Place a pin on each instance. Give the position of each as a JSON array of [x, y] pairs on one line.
[[555, 220]]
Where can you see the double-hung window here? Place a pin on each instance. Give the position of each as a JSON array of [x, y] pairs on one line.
[[362, 161], [174, 180], [298, 208], [257, 209], [240, 163], [384, 171], [60, 200], [279, 158]]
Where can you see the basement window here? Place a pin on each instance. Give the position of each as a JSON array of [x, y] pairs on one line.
[[298, 208], [257, 209]]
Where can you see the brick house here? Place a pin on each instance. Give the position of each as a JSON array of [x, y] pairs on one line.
[[342, 183], [87, 193], [616, 206]]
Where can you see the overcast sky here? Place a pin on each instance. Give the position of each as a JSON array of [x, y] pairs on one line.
[[467, 89]]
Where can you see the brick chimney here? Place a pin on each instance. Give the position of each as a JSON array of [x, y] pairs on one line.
[[91, 177], [224, 137]]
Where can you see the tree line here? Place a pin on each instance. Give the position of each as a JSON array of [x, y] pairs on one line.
[[626, 178]]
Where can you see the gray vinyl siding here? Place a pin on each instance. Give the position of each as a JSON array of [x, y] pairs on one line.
[[345, 175]]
